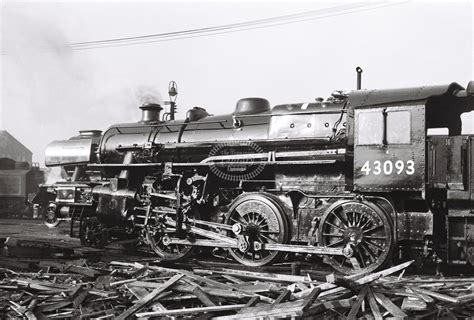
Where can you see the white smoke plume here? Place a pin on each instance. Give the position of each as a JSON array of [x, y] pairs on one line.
[[54, 175], [148, 95], [50, 92]]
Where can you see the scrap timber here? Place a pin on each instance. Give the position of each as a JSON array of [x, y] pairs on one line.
[[141, 290], [43, 279]]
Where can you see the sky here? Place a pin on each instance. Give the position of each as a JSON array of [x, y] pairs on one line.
[[50, 91]]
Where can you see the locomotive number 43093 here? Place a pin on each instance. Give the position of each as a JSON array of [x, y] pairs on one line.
[[389, 167]]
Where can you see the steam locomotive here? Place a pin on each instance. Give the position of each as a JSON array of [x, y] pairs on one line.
[[18, 182], [356, 179]]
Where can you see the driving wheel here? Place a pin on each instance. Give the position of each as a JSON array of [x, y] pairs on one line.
[[257, 218], [362, 227], [157, 236]]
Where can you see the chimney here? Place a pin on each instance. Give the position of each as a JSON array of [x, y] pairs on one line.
[[150, 113], [90, 133]]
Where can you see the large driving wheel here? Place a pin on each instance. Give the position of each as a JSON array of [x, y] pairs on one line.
[[361, 226], [157, 237], [261, 219]]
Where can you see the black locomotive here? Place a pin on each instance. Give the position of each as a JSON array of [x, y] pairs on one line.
[[356, 178]]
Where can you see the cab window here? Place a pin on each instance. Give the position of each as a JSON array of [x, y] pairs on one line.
[[398, 127], [370, 128], [384, 127]]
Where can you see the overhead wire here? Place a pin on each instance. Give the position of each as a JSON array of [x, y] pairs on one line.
[[227, 31], [229, 28], [223, 27]]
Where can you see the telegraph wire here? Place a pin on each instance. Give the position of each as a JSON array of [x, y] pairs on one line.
[[168, 38], [223, 27], [229, 28]]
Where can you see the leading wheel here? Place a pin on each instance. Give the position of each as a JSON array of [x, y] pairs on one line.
[[92, 233], [261, 219], [51, 216], [362, 226]]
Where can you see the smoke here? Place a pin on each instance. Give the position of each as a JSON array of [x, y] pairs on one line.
[[50, 92], [54, 175], [148, 95]]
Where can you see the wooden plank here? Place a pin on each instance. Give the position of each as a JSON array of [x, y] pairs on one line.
[[217, 292], [437, 295], [390, 306], [53, 307], [330, 278], [121, 282], [30, 315], [203, 297], [332, 288], [356, 306], [284, 295], [301, 286], [308, 301], [266, 276], [138, 292], [414, 304], [210, 282], [43, 286], [373, 305], [436, 280], [268, 311], [40, 316], [348, 284], [400, 276], [252, 302], [179, 312], [79, 299], [144, 284], [149, 297], [466, 298], [422, 296], [259, 287], [156, 306], [336, 304], [232, 279], [82, 271], [95, 314], [31, 307]]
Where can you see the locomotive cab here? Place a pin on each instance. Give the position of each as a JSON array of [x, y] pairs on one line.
[[430, 178]]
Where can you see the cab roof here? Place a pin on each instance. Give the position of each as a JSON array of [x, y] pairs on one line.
[[365, 98]]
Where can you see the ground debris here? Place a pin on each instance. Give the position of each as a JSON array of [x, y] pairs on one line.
[[139, 290]]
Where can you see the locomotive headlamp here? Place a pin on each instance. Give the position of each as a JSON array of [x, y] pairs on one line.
[[173, 90], [173, 94], [66, 194]]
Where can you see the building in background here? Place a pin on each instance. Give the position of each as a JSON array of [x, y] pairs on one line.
[[13, 149], [19, 177]]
